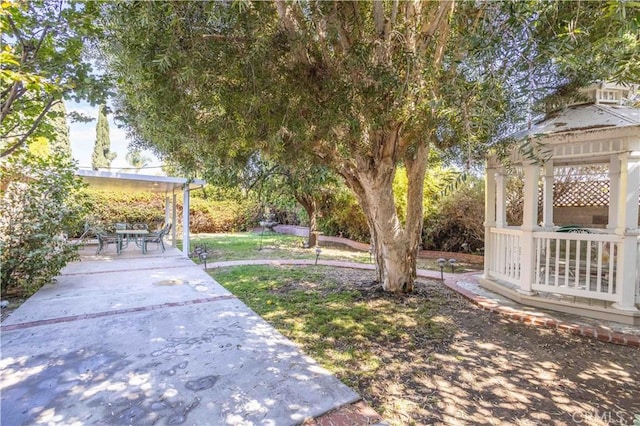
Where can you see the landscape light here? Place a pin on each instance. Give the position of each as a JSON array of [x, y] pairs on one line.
[[441, 263], [452, 262], [203, 257]]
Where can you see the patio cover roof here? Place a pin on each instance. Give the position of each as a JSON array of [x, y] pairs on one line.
[[130, 182]]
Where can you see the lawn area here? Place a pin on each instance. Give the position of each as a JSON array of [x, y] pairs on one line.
[[431, 357], [271, 245]]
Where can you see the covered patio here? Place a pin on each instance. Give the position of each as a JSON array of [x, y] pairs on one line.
[[169, 186], [585, 258]]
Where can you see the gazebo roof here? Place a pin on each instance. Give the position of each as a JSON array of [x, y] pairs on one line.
[[582, 118], [586, 133], [130, 182]]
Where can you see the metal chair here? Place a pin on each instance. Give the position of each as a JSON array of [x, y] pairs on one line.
[[104, 239], [156, 237]]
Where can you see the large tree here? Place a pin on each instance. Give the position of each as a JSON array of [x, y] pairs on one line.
[[43, 59], [361, 87], [102, 155]]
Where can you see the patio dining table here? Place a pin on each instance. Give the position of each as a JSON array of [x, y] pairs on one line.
[[126, 234]]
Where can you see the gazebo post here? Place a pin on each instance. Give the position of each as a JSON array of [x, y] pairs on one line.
[[501, 204], [529, 224], [547, 197], [614, 193], [489, 213], [628, 229]]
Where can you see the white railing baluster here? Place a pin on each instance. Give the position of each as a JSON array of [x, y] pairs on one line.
[[557, 271], [599, 273], [587, 283], [547, 267], [567, 265], [577, 280], [612, 256]]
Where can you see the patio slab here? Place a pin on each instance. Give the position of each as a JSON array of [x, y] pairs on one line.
[[104, 346]]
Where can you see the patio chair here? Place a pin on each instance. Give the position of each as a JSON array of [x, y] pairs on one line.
[[104, 239], [156, 237]]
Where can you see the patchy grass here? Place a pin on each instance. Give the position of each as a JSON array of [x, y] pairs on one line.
[[333, 320], [271, 245], [433, 358]]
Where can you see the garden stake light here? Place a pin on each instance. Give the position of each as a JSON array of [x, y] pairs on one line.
[[318, 251], [452, 262], [441, 263]]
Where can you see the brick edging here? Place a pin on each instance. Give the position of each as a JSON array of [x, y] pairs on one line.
[[356, 414], [70, 318], [597, 333]]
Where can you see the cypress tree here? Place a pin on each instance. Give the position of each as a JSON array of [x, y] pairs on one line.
[[60, 142], [102, 156]]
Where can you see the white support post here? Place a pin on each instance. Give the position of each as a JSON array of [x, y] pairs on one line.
[[501, 203], [185, 220], [530, 208], [628, 229], [174, 218], [614, 192], [489, 215], [167, 214], [529, 220], [547, 197]]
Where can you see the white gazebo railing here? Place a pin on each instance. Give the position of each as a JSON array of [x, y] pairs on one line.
[[582, 265], [595, 273], [505, 263]]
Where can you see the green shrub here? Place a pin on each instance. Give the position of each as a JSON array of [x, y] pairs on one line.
[[456, 218], [220, 216], [342, 216], [206, 215], [41, 203]]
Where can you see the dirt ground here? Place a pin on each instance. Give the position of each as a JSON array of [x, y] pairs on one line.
[[493, 371]]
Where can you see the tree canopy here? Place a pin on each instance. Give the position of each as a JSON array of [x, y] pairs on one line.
[[359, 87], [43, 59]]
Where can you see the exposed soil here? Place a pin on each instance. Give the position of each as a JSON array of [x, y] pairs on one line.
[[14, 303], [490, 370]]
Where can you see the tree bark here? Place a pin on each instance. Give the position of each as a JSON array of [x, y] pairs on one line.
[[310, 206], [395, 246]]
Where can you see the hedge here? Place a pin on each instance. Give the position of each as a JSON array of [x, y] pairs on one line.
[[206, 215]]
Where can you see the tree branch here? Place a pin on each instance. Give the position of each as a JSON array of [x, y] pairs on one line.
[[16, 31], [33, 128]]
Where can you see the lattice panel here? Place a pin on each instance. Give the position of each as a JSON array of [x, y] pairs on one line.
[[581, 193]]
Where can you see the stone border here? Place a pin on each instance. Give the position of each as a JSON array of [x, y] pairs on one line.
[[597, 333], [356, 414]]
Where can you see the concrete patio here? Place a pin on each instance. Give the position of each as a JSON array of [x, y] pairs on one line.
[[152, 339]]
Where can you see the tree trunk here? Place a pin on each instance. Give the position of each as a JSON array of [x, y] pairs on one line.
[[309, 204], [395, 246]]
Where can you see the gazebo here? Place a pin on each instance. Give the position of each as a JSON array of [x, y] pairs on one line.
[[583, 259], [169, 186]]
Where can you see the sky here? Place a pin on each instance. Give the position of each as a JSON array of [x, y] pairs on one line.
[[83, 138]]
